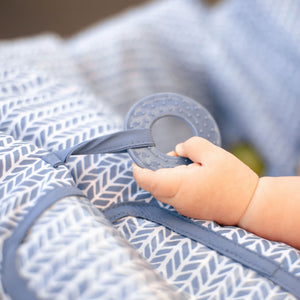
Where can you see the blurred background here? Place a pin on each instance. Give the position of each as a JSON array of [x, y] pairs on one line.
[[65, 17], [22, 18]]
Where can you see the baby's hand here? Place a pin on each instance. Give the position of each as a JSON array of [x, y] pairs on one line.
[[217, 186]]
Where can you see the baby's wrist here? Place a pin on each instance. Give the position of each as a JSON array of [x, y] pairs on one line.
[[255, 208]]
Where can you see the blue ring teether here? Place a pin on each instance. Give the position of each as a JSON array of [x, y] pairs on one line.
[[152, 108], [137, 137]]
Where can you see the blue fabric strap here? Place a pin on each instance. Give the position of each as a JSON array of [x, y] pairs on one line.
[[186, 227], [112, 143], [15, 285]]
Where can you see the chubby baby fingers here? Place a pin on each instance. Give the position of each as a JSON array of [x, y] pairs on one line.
[[163, 184], [196, 149]]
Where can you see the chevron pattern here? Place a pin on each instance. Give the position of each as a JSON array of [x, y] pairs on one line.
[[89, 251], [192, 267], [30, 123], [279, 252], [72, 252], [76, 230]]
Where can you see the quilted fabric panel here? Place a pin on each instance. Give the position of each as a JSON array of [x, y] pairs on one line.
[[71, 251]]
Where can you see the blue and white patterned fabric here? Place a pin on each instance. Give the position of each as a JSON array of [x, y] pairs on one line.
[[56, 93]]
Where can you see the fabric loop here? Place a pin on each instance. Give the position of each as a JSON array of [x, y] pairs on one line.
[[117, 142]]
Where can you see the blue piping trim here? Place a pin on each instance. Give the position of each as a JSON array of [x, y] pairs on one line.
[[15, 285], [117, 142], [186, 227]]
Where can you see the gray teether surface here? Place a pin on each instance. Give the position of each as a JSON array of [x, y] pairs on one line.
[[150, 109]]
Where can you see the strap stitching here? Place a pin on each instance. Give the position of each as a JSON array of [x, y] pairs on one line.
[[189, 234]]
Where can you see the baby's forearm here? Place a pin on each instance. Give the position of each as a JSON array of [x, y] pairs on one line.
[[274, 212]]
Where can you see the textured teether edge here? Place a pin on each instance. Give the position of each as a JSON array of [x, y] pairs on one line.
[[171, 104]]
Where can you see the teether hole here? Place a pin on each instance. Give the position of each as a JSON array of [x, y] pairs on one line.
[[168, 131]]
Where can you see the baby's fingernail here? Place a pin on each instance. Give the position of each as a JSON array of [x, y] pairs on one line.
[[136, 167], [178, 149], [171, 153]]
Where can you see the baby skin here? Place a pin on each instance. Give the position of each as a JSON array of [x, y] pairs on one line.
[[218, 186]]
